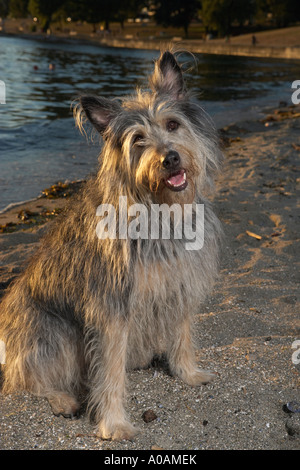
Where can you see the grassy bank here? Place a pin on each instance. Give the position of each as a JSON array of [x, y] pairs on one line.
[[280, 43]]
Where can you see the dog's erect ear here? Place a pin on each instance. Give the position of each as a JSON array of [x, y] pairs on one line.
[[167, 77], [99, 111]]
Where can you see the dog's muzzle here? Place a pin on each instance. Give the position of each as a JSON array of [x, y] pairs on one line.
[[176, 180]]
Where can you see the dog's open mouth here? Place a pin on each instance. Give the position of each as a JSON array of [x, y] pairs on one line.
[[176, 181]]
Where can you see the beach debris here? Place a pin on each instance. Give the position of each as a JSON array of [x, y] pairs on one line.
[[292, 425], [292, 407], [281, 114], [253, 235], [155, 447], [296, 147], [269, 118], [254, 309], [290, 299], [227, 141], [38, 217], [8, 228], [50, 212], [149, 416], [61, 189], [30, 219], [26, 214]]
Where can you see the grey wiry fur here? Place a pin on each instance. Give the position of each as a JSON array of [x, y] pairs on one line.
[[86, 309]]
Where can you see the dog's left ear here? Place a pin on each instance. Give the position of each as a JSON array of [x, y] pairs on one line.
[[167, 77], [99, 111]]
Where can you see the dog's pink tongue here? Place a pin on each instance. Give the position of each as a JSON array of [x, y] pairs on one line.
[[178, 179]]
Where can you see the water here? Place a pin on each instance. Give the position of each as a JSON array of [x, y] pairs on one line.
[[39, 144]]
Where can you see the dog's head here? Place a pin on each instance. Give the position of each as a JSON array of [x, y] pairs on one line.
[[158, 142]]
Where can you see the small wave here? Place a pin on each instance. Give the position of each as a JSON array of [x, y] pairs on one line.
[[12, 205]]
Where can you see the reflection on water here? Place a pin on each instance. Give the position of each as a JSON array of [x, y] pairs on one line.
[[38, 141]]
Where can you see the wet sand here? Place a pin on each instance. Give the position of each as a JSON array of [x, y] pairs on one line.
[[244, 331]]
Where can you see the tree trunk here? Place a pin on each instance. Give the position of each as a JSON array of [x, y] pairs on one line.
[[46, 24], [186, 30]]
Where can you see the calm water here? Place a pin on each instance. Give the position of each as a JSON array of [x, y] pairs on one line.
[[39, 144]]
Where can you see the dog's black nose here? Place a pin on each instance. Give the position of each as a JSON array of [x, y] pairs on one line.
[[172, 160]]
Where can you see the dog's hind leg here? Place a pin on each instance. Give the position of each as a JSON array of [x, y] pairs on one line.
[[181, 356], [43, 356]]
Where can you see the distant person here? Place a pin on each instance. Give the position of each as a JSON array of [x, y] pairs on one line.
[[254, 40]]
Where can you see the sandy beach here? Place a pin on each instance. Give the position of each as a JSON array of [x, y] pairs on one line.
[[245, 331]]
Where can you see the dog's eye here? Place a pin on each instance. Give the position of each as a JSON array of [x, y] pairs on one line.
[[137, 139], [172, 126]]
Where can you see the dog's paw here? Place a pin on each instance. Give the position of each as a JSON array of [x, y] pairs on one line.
[[198, 377], [116, 432], [63, 404]]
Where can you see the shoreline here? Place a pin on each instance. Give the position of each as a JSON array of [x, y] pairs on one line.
[[267, 117], [198, 46]]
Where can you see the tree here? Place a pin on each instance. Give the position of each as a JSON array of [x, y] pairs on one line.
[[93, 11], [108, 9], [18, 8], [4, 7], [220, 14], [127, 9], [44, 9], [283, 11], [178, 13]]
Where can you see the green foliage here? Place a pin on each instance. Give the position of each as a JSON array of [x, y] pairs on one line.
[[128, 9], [4, 8], [96, 11], [283, 12], [43, 9], [18, 8], [217, 15], [178, 13], [220, 14]]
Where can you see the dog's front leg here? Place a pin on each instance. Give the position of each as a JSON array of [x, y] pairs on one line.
[[108, 379], [181, 356]]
